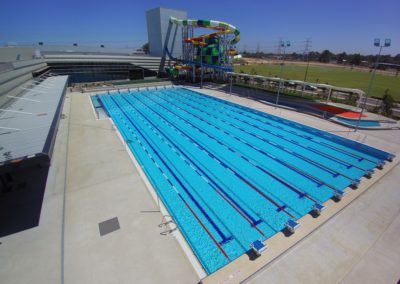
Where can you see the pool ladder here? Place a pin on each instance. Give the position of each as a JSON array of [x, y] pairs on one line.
[[166, 222]]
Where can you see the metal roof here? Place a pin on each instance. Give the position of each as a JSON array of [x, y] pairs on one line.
[[28, 124]]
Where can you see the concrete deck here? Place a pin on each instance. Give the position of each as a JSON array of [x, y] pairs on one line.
[[101, 183], [330, 257], [359, 244]]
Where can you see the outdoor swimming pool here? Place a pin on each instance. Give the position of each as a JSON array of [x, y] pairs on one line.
[[363, 122], [230, 175]]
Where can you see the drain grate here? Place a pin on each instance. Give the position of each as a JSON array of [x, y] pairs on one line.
[[109, 226]]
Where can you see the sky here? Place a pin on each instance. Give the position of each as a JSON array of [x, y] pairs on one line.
[[337, 25]]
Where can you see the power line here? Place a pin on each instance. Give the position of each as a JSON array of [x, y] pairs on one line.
[[307, 47], [306, 53]]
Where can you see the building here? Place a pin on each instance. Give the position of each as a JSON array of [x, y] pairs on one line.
[[157, 29]]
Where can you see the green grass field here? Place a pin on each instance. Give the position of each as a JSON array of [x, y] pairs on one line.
[[331, 75]]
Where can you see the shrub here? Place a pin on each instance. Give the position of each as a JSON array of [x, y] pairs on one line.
[[388, 102]]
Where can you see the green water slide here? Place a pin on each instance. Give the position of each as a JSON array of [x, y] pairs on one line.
[[210, 24]]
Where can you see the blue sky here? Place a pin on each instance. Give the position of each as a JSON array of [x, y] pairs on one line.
[[337, 25]]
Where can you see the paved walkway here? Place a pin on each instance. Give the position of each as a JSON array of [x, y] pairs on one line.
[[103, 183], [359, 245]]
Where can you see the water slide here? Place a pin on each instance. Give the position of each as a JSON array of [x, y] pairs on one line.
[[222, 27], [210, 48]]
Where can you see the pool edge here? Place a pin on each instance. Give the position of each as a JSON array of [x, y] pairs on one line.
[[198, 90], [242, 269], [183, 244]]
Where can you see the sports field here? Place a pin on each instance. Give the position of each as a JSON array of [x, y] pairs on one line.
[[338, 76]]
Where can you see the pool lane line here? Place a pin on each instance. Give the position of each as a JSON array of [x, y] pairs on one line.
[[233, 110], [180, 196], [333, 158], [176, 190], [204, 227], [215, 226], [358, 157], [319, 133], [214, 185], [317, 164], [118, 117], [280, 208], [274, 176], [338, 160], [316, 180]]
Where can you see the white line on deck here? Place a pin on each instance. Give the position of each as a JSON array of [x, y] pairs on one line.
[[19, 98], [16, 111]]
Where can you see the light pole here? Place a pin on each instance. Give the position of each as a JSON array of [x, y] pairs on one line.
[[230, 84], [201, 67], [305, 77], [284, 45], [377, 43]]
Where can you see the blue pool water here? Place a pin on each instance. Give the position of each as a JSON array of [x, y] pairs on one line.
[[363, 122], [230, 175]]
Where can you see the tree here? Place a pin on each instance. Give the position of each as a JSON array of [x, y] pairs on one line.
[[146, 48], [341, 57], [355, 59], [325, 56], [370, 59], [313, 55], [396, 59], [388, 102]]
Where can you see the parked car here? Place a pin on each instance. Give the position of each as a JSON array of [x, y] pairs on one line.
[[290, 84], [310, 88]]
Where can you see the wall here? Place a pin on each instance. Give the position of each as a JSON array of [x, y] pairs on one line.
[[157, 26]]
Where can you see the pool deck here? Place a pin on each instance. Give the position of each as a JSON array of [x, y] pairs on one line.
[[303, 105], [93, 169], [101, 183], [341, 249]]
